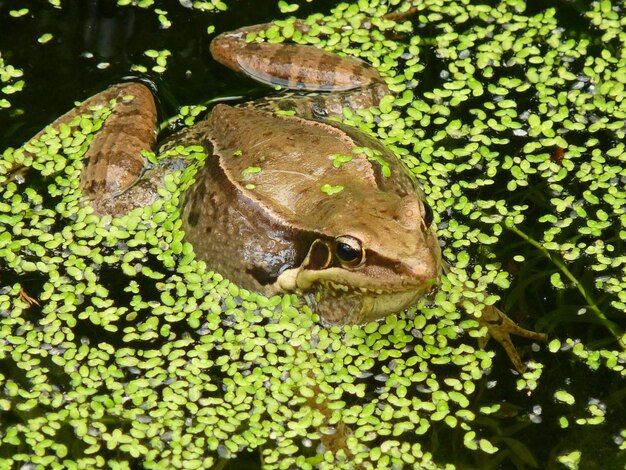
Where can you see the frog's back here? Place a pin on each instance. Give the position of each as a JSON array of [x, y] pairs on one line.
[[290, 164]]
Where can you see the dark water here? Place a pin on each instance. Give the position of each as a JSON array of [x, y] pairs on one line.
[[95, 43]]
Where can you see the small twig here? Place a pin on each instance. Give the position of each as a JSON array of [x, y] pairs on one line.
[[613, 327]]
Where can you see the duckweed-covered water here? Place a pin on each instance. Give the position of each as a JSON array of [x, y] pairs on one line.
[[119, 349]]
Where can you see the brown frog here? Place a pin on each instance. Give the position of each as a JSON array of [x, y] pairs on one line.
[[303, 204]]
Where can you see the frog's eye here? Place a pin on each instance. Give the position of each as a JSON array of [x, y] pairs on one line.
[[428, 214], [349, 251]]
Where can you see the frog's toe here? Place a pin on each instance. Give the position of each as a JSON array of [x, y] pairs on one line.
[[500, 327]]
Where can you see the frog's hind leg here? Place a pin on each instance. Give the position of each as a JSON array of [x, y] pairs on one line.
[[353, 82], [293, 66], [114, 161]]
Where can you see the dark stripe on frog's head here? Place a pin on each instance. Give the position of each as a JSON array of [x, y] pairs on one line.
[[301, 242]]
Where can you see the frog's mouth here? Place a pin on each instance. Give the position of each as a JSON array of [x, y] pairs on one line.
[[337, 307], [341, 297]]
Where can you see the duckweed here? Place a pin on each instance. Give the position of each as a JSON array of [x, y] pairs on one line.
[[134, 353], [8, 76]]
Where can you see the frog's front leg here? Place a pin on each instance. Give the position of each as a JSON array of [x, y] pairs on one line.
[[500, 327]]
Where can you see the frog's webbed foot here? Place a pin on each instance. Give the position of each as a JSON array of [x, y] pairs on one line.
[[500, 327]]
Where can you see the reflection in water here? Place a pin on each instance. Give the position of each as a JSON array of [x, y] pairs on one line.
[[106, 28]]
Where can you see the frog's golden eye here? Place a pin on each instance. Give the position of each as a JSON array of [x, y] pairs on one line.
[[349, 251], [428, 214]]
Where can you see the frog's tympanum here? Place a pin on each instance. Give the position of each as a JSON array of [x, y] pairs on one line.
[[286, 203]]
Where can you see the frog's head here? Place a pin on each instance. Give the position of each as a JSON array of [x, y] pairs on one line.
[[375, 256]]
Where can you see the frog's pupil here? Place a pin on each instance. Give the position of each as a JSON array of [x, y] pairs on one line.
[[346, 253]]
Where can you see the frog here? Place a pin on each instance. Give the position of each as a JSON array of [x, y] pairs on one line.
[[289, 200]]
